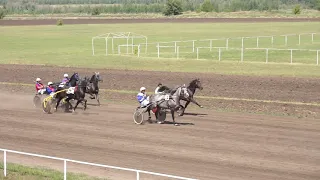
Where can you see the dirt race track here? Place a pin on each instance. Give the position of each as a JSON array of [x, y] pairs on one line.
[[208, 145]]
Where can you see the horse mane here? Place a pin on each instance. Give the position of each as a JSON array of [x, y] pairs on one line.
[[92, 78], [193, 82], [164, 89]]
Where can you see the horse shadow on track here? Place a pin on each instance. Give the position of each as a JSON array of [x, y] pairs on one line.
[[170, 122], [195, 114]]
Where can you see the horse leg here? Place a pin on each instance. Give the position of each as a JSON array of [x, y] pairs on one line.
[[97, 97], [68, 104], [58, 102], [182, 113], [85, 104], [78, 101], [195, 102], [172, 114]]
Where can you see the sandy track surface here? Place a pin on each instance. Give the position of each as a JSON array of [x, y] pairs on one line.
[[284, 89], [208, 145], [158, 20]]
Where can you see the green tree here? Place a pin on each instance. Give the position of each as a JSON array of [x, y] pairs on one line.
[[207, 6], [297, 9], [173, 7], [2, 13]]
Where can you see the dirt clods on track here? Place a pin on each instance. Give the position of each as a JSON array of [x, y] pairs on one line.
[[208, 145]]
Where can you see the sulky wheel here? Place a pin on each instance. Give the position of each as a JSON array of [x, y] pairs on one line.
[[46, 106], [138, 116], [37, 101]]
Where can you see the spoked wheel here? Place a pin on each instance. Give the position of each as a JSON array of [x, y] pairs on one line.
[[37, 101], [46, 106], [138, 116]]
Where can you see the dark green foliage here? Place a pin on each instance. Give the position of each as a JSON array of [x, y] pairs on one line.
[[173, 7], [207, 6], [169, 7], [59, 22], [297, 9], [2, 13]]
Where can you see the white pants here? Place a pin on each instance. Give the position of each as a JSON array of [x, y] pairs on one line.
[[145, 102], [41, 91]]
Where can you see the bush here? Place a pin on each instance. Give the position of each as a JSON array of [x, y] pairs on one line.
[[207, 6], [297, 9], [173, 7], [2, 13], [59, 22], [96, 11]]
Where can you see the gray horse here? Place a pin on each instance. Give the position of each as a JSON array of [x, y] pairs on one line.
[[169, 100]]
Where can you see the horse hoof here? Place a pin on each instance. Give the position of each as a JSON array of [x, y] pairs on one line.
[[201, 106], [176, 124]]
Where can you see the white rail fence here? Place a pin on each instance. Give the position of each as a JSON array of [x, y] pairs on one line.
[[210, 43], [65, 161], [267, 50]]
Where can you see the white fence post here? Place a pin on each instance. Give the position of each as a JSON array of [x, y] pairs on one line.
[[286, 40], [227, 43], [317, 57], [65, 170], [197, 53], [267, 55], [177, 52], [193, 46], [127, 45], [219, 54], [210, 45], [139, 50], [158, 50], [5, 163], [257, 42], [299, 39], [92, 44], [242, 55], [138, 175], [291, 57], [272, 41], [175, 47], [112, 46], [106, 46], [242, 43]]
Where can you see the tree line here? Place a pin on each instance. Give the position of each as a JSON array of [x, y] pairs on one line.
[[168, 7]]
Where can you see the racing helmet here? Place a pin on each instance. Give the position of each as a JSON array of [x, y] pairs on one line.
[[50, 83], [65, 75], [142, 88], [38, 79]]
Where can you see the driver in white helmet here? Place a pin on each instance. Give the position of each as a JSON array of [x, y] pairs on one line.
[[142, 97], [39, 86], [65, 79]]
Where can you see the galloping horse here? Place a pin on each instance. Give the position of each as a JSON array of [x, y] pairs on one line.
[[193, 85], [168, 101], [93, 87]]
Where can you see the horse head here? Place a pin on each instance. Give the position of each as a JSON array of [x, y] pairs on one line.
[[196, 83]]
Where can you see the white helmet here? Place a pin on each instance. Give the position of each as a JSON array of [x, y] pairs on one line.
[[50, 83], [142, 88], [38, 79], [65, 75]]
